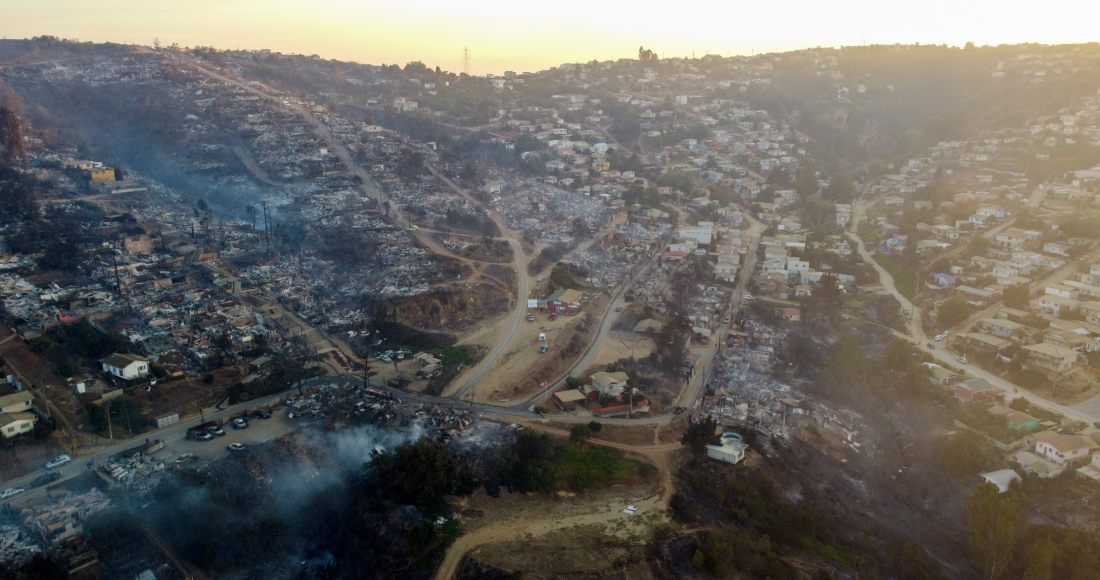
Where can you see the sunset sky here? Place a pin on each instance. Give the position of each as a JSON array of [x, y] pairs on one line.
[[529, 36]]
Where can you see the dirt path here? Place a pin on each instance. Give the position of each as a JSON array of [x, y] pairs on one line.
[[656, 501], [250, 163]]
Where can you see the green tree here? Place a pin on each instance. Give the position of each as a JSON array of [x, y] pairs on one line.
[[699, 434], [965, 453], [418, 474], [994, 521], [1039, 559], [579, 434], [952, 311], [1017, 296]]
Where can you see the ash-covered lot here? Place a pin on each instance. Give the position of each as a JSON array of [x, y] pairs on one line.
[[302, 505]]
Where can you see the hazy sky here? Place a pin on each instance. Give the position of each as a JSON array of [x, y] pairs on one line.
[[521, 36]]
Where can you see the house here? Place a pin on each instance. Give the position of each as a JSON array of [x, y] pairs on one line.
[[976, 295], [564, 301], [1016, 420], [1036, 465], [1055, 305], [16, 402], [1062, 291], [610, 384], [944, 280], [983, 342], [1003, 328], [975, 390], [1063, 449], [939, 376], [12, 424], [1067, 339], [729, 450], [1050, 357], [702, 234], [1056, 248], [125, 366], [1091, 470], [567, 400], [1002, 478]]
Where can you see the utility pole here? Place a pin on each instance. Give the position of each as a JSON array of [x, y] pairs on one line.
[[110, 429], [466, 60]]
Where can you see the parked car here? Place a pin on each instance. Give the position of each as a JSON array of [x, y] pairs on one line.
[[931, 346], [236, 447], [185, 457], [963, 360], [945, 333], [204, 436], [10, 492], [553, 317], [530, 317], [215, 431], [679, 410], [542, 349], [58, 461], [239, 423], [261, 414], [619, 308], [940, 337], [45, 479]]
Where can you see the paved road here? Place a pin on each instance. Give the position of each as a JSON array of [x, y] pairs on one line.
[[593, 348], [518, 314], [168, 434], [1087, 412]]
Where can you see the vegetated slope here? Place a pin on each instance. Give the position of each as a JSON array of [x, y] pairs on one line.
[[915, 96]]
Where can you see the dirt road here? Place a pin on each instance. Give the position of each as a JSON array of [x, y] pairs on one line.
[[656, 502]]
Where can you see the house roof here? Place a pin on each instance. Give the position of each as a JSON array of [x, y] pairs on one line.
[[977, 385], [1066, 443], [120, 361], [1012, 415], [566, 295], [608, 379], [1051, 350], [570, 396], [1001, 478], [9, 418], [22, 397]]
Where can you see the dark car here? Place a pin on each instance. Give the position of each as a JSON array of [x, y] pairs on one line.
[[679, 410], [262, 414], [45, 479]]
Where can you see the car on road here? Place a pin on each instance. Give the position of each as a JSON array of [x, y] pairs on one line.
[[236, 447], [945, 333], [619, 308], [10, 492], [931, 346], [748, 298], [542, 349], [204, 436], [45, 479], [58, 461], [679, 410], [261, 414], [215, 431], [239, 423], [905, 312], [554, 316], [185, 457], [963, 360]]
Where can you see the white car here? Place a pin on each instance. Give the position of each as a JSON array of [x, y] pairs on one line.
[[185, 457], [10, 492], [945, 333], [963, 360], [58, 461], [940, 337], [236, 447]]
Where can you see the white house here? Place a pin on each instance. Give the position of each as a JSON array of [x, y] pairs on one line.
[[1063, 449], [16, 402], [701, 234], [730, 450], [12, 424], [125, 366]]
